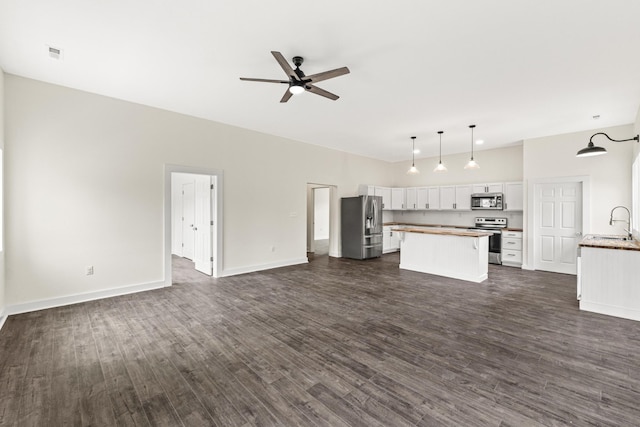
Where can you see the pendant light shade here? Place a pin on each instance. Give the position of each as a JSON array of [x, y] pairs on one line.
[[440, 167], [472, 163], [413, 170], [592, 150]]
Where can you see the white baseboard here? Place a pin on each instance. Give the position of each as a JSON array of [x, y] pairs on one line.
[[3, 318], [78, 298], [252, 268], [610, 310]]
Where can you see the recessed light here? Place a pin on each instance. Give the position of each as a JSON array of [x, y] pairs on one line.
[[480, 142]]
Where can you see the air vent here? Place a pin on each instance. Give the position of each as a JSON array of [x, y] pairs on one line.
[[54, 52]]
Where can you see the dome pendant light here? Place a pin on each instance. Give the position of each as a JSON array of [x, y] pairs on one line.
[[472, 163], [413, 170], [440, 167], [593, 150]]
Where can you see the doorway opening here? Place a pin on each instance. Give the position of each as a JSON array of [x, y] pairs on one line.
[[193, 223], [321, 211]]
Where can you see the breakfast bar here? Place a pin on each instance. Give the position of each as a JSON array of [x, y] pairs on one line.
[[459, 254]]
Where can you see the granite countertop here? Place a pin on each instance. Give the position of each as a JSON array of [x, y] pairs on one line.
[[463, 233], [609, 241]]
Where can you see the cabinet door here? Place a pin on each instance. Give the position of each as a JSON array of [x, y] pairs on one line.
[[386, 239], [447, 197], [479, 188], [385, 192], [434, 198], [497, 187], [422, 198], [397, 199], [366, 190], [513, 196], [463, 197], [412, 198]]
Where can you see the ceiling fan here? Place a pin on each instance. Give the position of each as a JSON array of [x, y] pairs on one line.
[[298, 82]]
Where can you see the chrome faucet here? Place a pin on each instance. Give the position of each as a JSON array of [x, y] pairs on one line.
[[629, 230]]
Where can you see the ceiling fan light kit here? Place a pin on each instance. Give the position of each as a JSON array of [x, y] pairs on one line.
[[593, 150], [299, 82]]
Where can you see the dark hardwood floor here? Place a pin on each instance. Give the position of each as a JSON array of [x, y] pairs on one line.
[[332, 343]]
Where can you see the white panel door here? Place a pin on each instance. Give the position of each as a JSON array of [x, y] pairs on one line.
[[557, 226], [203, 225], [188, 220]]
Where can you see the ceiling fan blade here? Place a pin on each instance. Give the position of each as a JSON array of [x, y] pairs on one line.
[[248, 79], [286, 96], [285, 65], [314, 78], [321, 92]]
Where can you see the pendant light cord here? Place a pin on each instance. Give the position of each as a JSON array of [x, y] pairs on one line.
[[472, 126]]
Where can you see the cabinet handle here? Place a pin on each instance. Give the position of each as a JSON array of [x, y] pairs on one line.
[[511, 254], [511, 243], [505, 206], [426, 205], [414, 206]]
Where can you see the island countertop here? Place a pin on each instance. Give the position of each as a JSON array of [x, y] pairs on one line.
[[607, 241], [463, 233]]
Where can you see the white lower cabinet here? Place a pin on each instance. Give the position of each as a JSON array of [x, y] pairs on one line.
[[512, 248], [390, 240]]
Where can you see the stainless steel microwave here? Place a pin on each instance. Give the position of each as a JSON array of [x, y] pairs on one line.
[[486, 201]]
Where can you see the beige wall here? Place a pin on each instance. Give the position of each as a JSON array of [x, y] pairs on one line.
[[86, 183], [608, 177], [499, 165]]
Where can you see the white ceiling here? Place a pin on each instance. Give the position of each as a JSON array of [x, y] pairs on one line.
[[516, 68]]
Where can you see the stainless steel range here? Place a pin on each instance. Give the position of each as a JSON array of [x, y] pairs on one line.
[[493, 226]]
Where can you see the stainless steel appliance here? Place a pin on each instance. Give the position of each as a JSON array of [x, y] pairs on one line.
[[486, 201], [361, 224], [493, 226]]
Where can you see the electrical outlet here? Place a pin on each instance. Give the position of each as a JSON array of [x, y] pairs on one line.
[[89, 270]]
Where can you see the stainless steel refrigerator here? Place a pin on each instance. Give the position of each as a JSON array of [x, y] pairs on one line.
[[361, 225]]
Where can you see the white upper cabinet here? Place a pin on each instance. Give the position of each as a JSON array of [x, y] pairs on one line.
[[448, 197], [456, 197], [411, 198], [385, 192], [496, 187], [427, 198], [513, 196], [398, 199], [463, 197]]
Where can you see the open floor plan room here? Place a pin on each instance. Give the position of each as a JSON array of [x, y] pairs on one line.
[[335, 342]]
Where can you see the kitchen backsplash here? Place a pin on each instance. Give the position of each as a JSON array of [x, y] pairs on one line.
[[514, 219]]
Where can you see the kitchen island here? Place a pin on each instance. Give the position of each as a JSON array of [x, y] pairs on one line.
[[608, 272], [459, 254]]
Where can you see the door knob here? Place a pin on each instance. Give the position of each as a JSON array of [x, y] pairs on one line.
[[579, 233]]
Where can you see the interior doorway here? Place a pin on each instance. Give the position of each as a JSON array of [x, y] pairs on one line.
[[320, 223], [193, 222]]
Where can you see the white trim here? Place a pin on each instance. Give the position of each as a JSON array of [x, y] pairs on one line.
[[610, 310], [78, 298], [3, 318], [528, 235], [218, 248], [260, 267]]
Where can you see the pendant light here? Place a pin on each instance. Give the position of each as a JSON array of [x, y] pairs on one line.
[[592, 150], [472, 163], [440, 167], [413, 170]]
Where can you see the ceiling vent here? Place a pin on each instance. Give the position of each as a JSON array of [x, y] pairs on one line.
[[54, 52]]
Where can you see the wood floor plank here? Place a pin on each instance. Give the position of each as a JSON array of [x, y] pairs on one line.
[[334, 342]]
